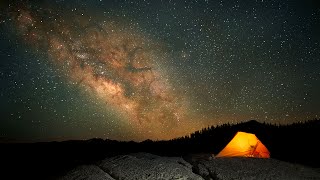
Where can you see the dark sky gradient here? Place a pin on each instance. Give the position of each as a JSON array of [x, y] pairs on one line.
[[136, 70]]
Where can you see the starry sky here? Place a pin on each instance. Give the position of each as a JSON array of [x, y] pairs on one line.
[[139, 69]]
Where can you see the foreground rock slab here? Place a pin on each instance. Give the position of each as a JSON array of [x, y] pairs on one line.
[[87, 172], [145, 166], [253, 168]]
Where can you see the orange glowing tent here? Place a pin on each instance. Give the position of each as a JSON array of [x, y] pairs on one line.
[[244, 145]]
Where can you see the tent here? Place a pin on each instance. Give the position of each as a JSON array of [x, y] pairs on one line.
[[244, 145]]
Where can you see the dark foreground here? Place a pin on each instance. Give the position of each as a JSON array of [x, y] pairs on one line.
[[149, 166], [141, 165], [146, 166], [293, 148]]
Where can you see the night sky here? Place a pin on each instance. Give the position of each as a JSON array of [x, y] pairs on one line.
[[136, 70]]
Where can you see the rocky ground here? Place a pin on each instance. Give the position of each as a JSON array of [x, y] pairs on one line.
[[144, 166]]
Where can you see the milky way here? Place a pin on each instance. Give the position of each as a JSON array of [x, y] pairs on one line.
[[119, 65]]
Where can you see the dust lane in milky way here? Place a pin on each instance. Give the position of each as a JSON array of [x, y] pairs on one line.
[[118, 64]]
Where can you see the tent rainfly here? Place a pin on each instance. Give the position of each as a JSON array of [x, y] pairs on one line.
[[244, 145]]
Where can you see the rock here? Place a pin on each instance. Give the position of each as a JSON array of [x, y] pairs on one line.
[[202, 171], [87, 172], [144, 166], [253, 168]]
